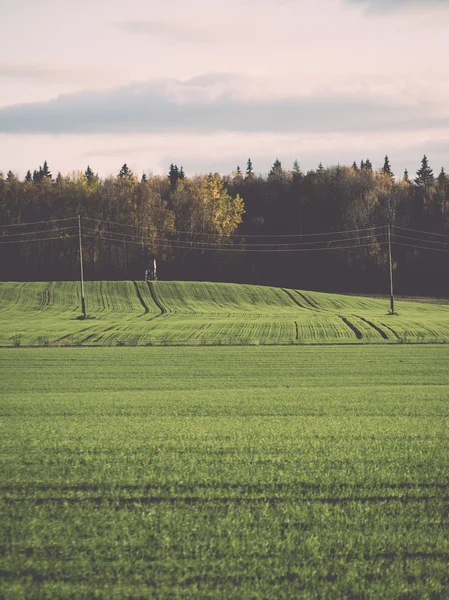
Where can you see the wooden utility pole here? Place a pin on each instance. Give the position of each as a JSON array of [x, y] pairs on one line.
[[390, 260], [83, 301]]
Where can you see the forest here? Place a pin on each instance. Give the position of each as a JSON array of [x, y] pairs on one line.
[[326, 229]]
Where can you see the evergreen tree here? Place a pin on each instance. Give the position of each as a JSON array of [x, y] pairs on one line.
[[276, 172], [424, 175], [89, 174], [406, 176], [10, 176], [38, 175], [181, 173], [355, 166], [442, 178], [144, 178], [297, 173], [173, 174], [28, 176], [125, 172], [386, 169], [368, 165], [46, 171], [362, 165], [249, 170]]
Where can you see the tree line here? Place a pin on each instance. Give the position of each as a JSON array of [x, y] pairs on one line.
[[242, 227]]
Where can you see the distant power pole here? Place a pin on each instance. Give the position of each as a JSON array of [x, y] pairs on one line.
[[83, 301], [390, 260]]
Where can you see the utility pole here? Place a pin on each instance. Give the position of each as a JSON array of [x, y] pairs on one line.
[[83, 301], [390, 260]]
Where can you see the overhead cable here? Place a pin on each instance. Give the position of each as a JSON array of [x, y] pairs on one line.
[[241, 250]]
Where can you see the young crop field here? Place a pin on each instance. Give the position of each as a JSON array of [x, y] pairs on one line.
[[193, 313], [232, 472]]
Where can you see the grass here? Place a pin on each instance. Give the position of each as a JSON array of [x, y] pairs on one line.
[[235, 472], [191, 313]]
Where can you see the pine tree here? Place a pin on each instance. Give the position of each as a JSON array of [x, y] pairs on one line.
[[173, 174], [424, 175], [181, 173], [144, 178], [125, 172], [10, 176], [276, 173], [297, 173], [89, 174], [355, 166], [249, 170], [46, 174], [368, 165], [38, 175], [28, 176], [387, 167], [406, 176], [442, 178], [362, 165]]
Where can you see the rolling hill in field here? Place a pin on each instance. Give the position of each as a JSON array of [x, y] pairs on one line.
[[195, 313]]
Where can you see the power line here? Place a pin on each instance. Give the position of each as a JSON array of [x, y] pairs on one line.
[[423, 232], [405, 237], [262, 235], [37, 222], [235, 245], [38, 240], [36, 232], [421, 247], [236, 249]]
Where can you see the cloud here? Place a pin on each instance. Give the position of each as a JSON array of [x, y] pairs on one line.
[[50, 73], [213, 103], [179, 31], [390, 5]]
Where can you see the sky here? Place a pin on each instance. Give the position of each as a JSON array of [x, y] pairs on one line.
[[208, 84]]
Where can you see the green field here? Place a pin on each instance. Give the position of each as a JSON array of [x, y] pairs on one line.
[[193, 313], [233, 472]]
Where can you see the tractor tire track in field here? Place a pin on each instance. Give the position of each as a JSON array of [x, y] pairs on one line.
[[313, 305], [141, 300], [291, 296], [380, 331], [392, 331], [119, 501], [155, 300], [357, 332], [297, 331], [253, 488]]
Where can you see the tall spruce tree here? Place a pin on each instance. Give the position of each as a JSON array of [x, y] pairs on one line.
[[125, 172], [276, 173], [89, 174], [46, 174], [406, 177], [442, 178], [386, 169], [424, 175], [28, 177], [297, 173], [249, 170]]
